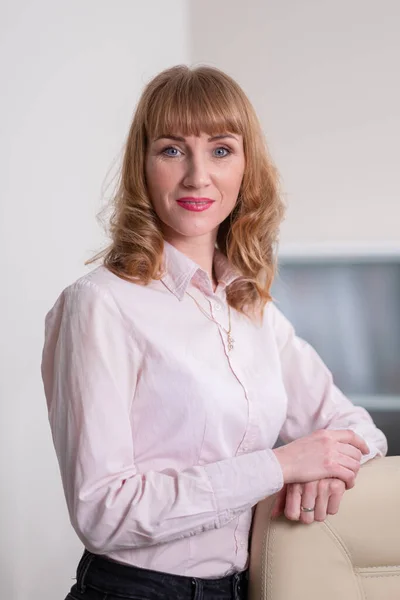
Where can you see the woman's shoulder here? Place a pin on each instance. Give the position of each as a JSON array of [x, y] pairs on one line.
[[102, 286], [100, 279], [75, 294], [103, 282], [97, 282]]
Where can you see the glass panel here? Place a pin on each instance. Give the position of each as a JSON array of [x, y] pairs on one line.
[[350, 312]]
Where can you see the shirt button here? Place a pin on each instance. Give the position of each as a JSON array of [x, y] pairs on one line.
[[217, 306]]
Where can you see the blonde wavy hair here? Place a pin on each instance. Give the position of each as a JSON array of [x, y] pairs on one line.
[[190, 101]]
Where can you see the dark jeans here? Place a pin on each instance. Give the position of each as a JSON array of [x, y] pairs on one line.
[[98, 578]]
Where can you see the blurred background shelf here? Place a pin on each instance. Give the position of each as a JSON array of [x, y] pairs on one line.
[[344, 300], [377, 403]]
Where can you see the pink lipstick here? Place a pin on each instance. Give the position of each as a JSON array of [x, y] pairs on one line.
[[195, 204]]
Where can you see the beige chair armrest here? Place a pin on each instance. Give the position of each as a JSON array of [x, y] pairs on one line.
[[354, 554]]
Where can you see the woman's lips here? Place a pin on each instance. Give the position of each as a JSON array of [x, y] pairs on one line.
[[195, 204]]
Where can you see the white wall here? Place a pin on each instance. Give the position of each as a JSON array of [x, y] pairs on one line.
[[71, 73], [324, 78]]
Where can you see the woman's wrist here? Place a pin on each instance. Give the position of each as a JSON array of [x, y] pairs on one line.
[[279, 454]]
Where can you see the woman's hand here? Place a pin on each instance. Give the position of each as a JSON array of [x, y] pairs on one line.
[[324, 494], [323, 454]]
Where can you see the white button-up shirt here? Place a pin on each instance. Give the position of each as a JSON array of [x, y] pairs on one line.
[[163, 436]]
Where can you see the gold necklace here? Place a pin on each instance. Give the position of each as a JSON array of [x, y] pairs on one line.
[[227, 331]]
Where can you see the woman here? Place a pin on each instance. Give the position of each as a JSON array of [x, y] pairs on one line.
[[169, 373]]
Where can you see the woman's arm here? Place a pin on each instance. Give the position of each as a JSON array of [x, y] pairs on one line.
[[90, 367], [314, 401]]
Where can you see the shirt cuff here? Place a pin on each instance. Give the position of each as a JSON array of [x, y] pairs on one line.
[[373, 450], [242, 481]]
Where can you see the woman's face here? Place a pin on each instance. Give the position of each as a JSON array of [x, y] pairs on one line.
[[194, 181]]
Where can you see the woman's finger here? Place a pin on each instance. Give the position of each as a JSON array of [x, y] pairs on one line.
[[347, 436], [308, 500], [337, 489], [350, 463], [350, 450], [322, 500], [346, 475], [293, 501]]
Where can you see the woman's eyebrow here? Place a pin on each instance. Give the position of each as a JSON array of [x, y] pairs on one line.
[[182, 139], [221, 136]]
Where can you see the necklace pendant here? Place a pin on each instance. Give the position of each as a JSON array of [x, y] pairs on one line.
[[230, 342]]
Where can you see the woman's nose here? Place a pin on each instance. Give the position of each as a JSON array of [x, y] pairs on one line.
[[197, 174]]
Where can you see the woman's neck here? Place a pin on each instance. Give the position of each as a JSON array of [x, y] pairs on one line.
[[199, 249]]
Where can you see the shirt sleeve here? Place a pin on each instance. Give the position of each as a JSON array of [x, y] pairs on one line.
[[314, 401], [90, 367]]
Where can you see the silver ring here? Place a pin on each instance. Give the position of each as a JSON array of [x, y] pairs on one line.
[[307, 509]]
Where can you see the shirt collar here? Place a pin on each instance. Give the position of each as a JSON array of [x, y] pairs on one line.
[[180, 271]]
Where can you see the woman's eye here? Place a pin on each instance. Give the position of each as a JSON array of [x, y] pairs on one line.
[[221, 152], [171, 151]]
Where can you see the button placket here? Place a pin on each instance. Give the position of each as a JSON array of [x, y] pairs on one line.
[[221, 316], [250, 437]]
